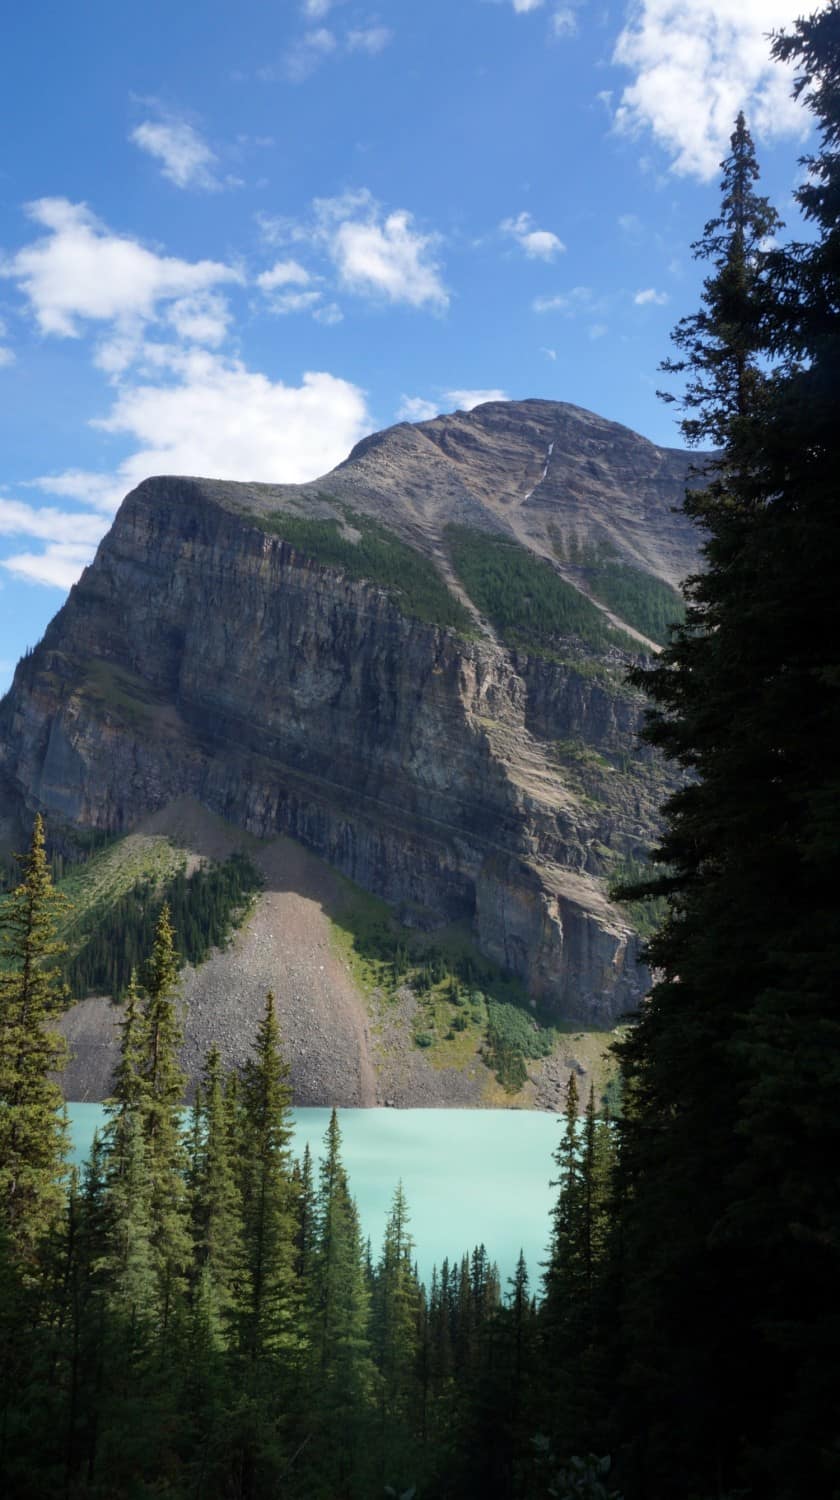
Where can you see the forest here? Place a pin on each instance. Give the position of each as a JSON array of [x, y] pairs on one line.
[[195, 1314]]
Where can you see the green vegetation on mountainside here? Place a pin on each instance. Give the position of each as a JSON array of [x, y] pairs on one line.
[[115, 899], [376, 555], [466, 1003], [524, 597], [640, 599]]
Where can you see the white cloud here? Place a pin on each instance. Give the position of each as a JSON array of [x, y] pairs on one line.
[[292, 302], [79, 484], [650, 297], [466, 400], [317, 9], [283, 273], [208, 415], [549, 353], [58, 566], [380, 255], [307, 54], [416, 409], [369, 39], [538, 244], [185, 158], [329, 314], [6, 355], [564, 22], [201, 319], [17, 518], [523, 6], [79, 271], [695, 64], [581, 299], [598, 330]]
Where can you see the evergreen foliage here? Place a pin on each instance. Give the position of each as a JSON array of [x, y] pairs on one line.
[[637, 597], [363, 548], [729, 1223], [525, 598], [203, 906], [32, 1139]]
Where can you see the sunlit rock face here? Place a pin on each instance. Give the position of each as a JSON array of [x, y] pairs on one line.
[[458, 773]]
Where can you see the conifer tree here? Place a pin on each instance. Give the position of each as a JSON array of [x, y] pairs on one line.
[[395, 1339], [162, 1084], [268, 1308], [32, 1133], [216, 1207], [729, 1226]]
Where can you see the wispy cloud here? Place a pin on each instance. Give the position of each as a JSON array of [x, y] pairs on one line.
[[416, 409], [650, 297], [185, 159], [538, 244], [6, 354], [466, 400], [420, 409], [57, 566], [695, 63], [369, 39], [306, 54], [578, 300]]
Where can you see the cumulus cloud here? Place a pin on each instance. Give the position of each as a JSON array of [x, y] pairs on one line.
[[185, 159], [80, 271], [538, 244], [695, 64], [650, 297], [205, 414], [203, 318], [523, 6], [377, 254], [283, 273]]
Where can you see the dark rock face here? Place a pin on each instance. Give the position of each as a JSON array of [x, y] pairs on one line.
[[200, 655]]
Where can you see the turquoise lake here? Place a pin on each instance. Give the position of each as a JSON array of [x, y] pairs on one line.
[[471, 1176]]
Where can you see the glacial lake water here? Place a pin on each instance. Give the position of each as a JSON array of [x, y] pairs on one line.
[[470, 1176]]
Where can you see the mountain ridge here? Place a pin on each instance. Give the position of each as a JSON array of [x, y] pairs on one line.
[[272, 651]]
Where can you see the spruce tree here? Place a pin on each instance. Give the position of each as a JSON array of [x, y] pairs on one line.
[[162, 1094], [32, 1131], [729, 1225]]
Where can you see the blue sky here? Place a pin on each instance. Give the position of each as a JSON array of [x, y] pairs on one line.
[[233, 239]]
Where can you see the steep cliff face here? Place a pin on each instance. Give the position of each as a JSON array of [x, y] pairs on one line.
[[456, 772]]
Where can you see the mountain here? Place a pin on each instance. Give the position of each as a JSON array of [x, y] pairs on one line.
[[408, 673]]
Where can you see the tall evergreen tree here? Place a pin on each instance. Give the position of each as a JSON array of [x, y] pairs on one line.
[[162, 1094], [32, 1132], [730, 1095]]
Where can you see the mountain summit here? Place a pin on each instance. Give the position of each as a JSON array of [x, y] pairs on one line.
[[414, 668]]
